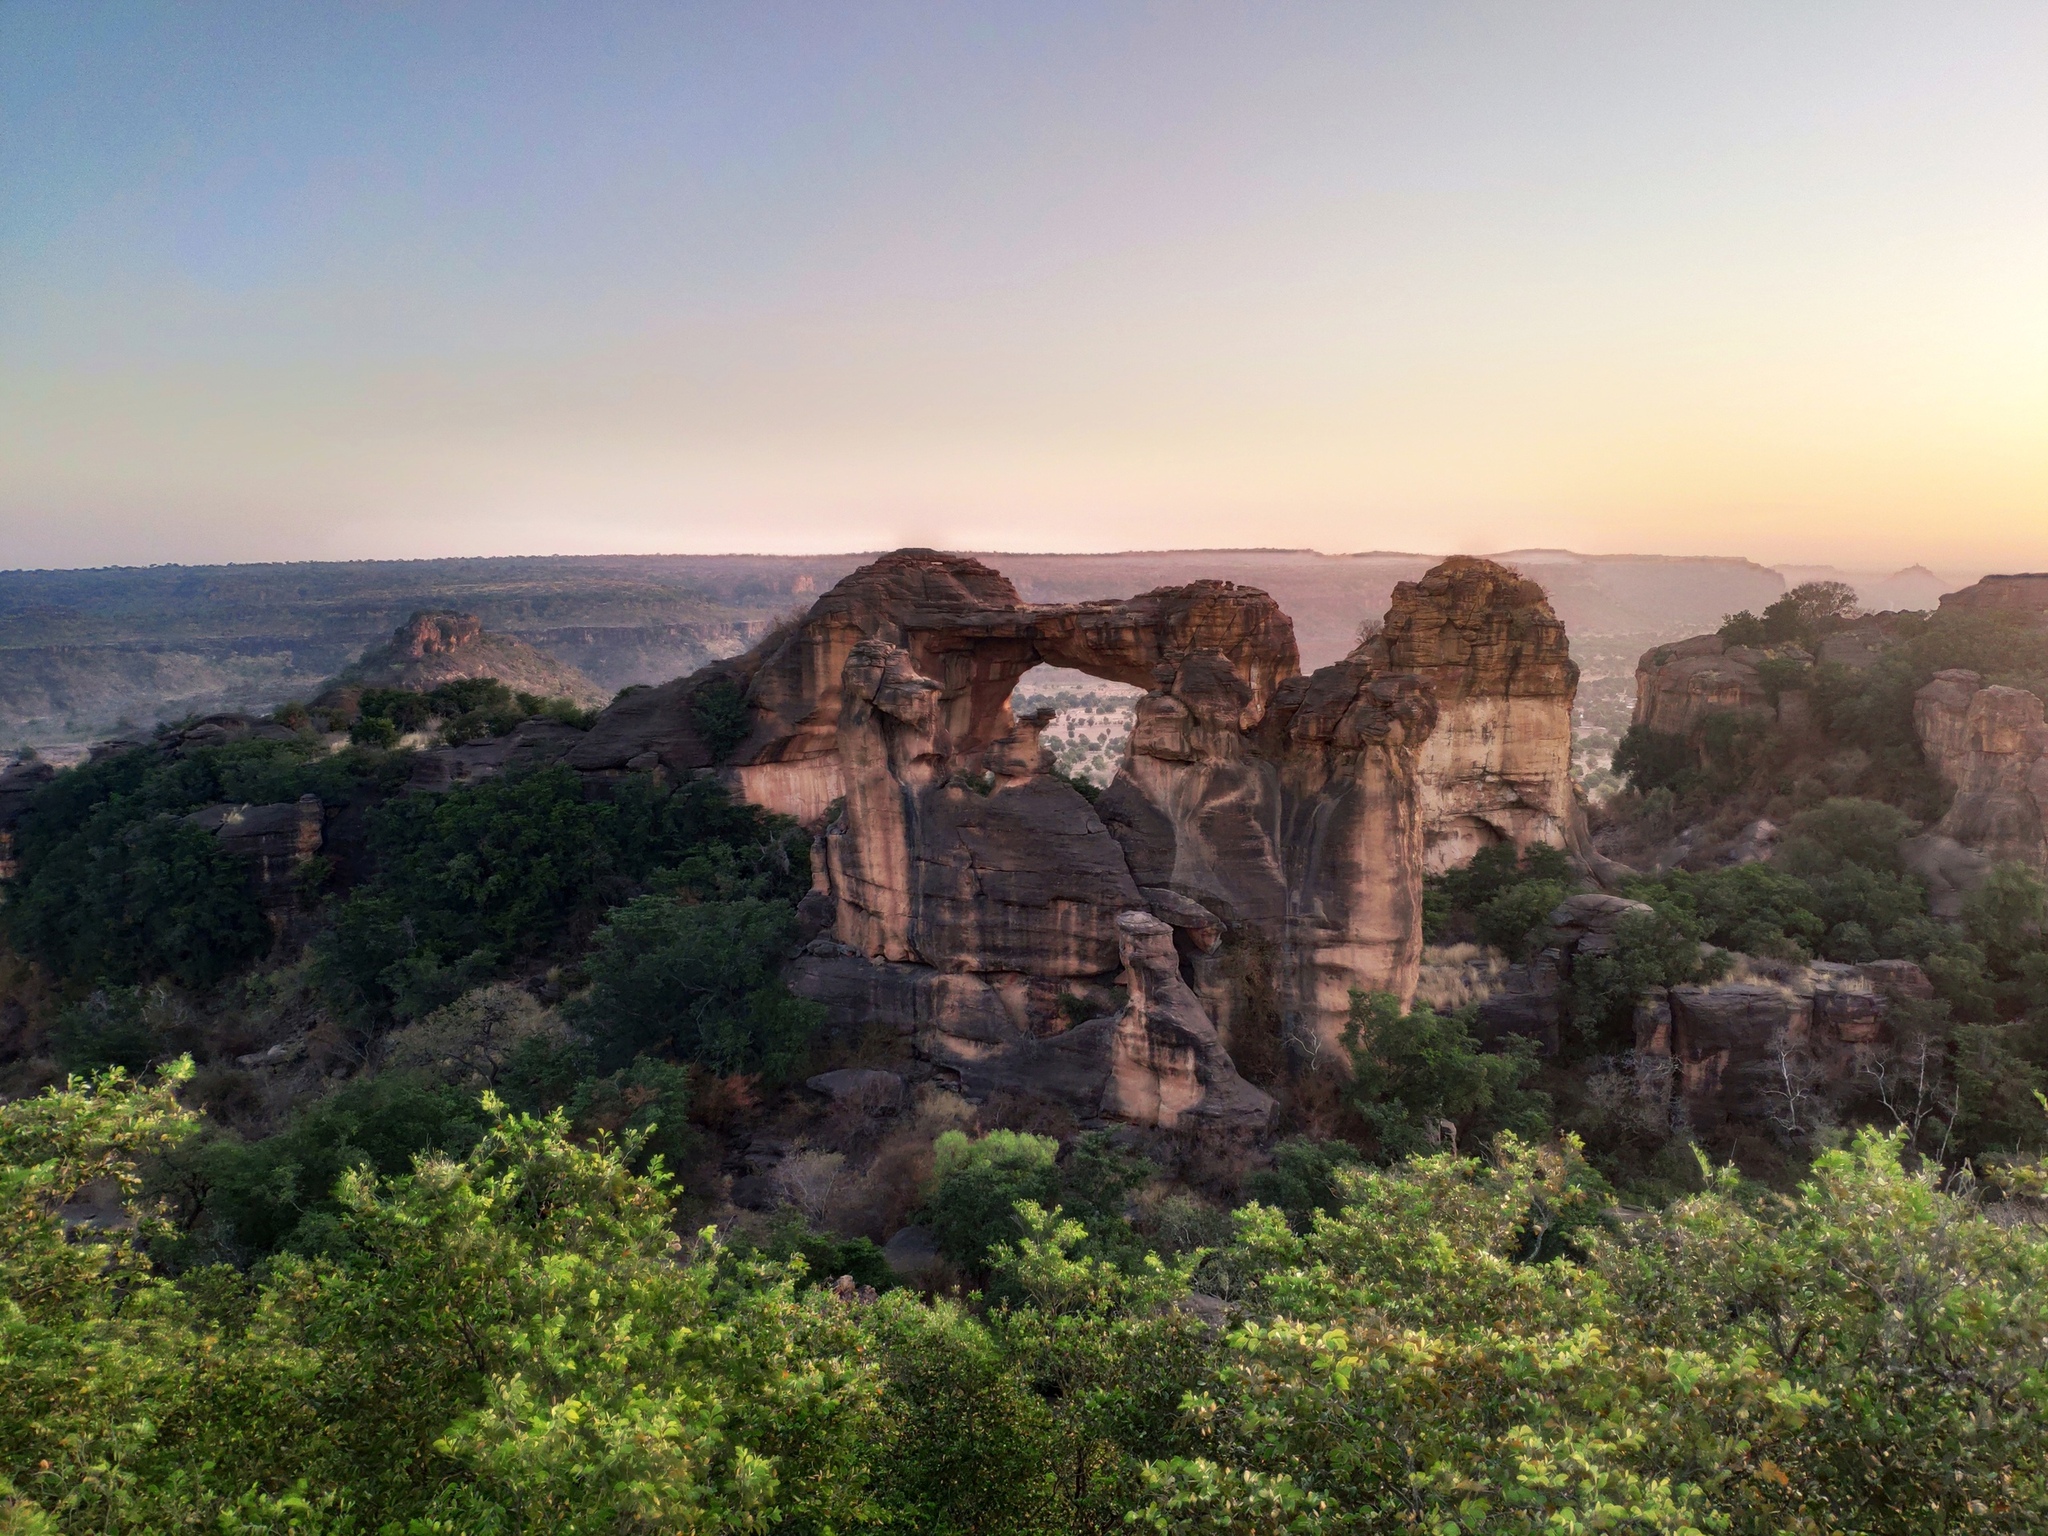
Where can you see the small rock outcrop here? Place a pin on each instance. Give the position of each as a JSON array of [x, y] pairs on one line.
[[2024, 594], [272, 841], [432, 648], [1678, 685], [18, 783], [1989, 744]]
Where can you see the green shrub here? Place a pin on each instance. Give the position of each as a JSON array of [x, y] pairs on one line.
[[720, 716], [1842, 831], [1414, 1074], [976, 1184], [645, 1105], [1660, 948], [1303, 1178], [523, 866], [1652, 760], [281, 1190], [699, 980]]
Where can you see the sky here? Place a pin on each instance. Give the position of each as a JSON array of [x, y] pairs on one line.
[[387, 279]]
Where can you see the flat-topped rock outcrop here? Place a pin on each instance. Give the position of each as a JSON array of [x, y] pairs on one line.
[[434, 647]]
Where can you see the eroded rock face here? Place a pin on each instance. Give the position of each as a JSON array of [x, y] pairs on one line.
[[271, 841], [1991, 746], [964, 883], [1497, 766], [1677, 684]]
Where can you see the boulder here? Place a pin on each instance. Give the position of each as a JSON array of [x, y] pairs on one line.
[[1530, 1003], [271, 841], [1727, 1042], [912, 1253], [1680, 683], [1196, 928], [18, 784], [1167, 1065], [530, 744]]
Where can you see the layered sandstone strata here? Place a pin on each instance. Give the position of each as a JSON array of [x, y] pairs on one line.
[[1497, 767], [983, 903], [1989, 744]]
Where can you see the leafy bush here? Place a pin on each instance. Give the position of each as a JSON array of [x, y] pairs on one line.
[[129, 1027], [1652, 760], [1660, 948], [115, 887], [516, 1339], [720, 716], [1842, 831], [645, 1106], [700, 981], [282, 1190], [976, 1185], [1416, 1075], [1503, 895], [515, 867], [1303, 1178]]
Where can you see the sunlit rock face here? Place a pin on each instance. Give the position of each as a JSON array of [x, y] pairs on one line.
[[1250, 798], [1990, 745], [1679, 684], [1497, 765]]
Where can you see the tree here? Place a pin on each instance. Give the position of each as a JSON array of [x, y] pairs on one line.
[[1420, 1081], [976, 1184], [699, 980], [721, 717], [1652, 760]]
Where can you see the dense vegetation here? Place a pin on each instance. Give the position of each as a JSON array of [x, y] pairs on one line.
[[1867, 710], [467, 709], [514, 1338], [446, 1275]]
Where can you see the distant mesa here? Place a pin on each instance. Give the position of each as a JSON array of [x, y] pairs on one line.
[[436, 647]]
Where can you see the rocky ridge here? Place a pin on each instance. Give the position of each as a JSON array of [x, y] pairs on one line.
[[432, 648]]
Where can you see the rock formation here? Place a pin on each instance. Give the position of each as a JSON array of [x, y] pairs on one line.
[[983, 904], [432, 648], [1497, 768], [18, 783], [1679, 684], [2024, 594], [1989, 744], [272, 842]]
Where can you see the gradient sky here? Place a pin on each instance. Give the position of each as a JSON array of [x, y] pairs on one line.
[[382, 279]]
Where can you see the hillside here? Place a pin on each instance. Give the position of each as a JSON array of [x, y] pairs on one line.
[[430, 649]]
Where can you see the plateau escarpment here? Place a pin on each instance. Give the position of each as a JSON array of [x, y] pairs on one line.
[[989, 909]]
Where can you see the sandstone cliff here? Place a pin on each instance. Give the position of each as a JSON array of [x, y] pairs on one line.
[[1991, 747], [1497, 767], [982, 903]]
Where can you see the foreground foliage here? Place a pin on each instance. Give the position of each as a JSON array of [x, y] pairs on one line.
[[515, 1340]]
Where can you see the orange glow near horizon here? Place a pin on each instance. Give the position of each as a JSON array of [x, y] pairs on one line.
[[1719, 280]]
